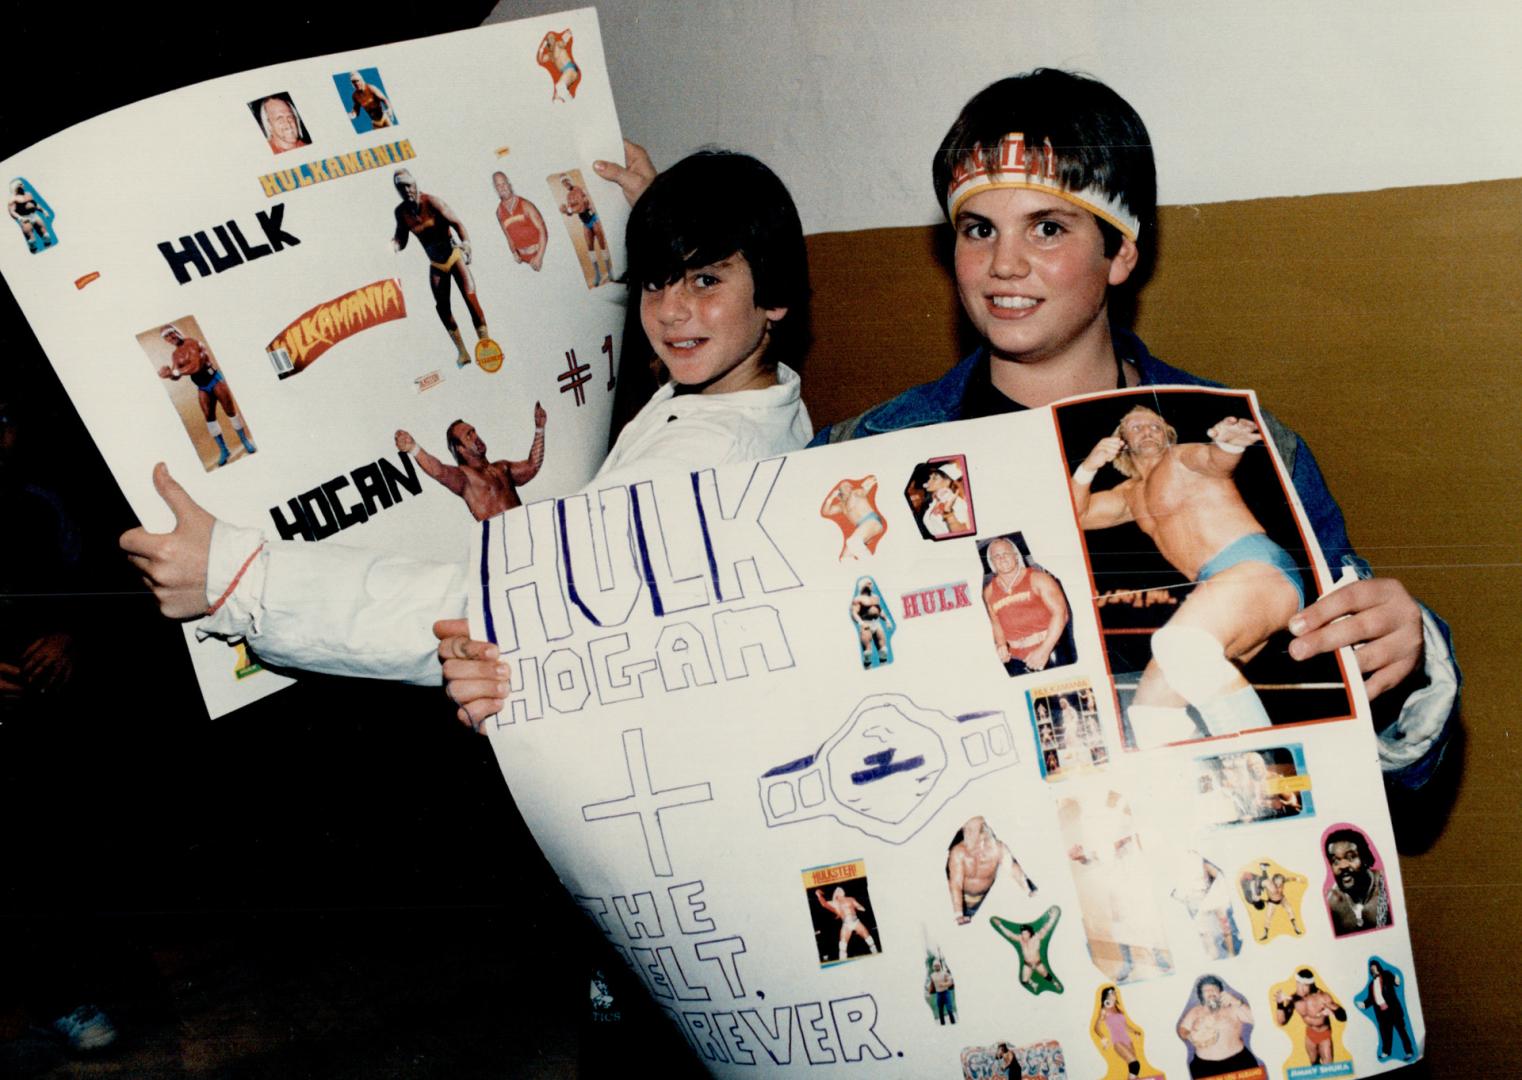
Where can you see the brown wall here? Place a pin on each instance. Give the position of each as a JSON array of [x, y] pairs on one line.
[[1386, 327]]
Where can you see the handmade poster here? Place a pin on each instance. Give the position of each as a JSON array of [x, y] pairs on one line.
[[313, 288], [760, 726]]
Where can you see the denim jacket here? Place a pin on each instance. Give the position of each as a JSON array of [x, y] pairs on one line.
[[1411, 746]]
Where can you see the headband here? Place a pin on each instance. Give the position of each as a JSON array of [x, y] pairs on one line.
[[1019, 166]]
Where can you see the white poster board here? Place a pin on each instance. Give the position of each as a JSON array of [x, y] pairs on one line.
[[254, 218], [765, 728]]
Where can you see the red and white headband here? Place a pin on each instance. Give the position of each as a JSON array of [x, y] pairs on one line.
[[1032, 168]]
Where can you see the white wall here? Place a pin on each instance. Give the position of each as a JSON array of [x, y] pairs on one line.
[[847, 99]]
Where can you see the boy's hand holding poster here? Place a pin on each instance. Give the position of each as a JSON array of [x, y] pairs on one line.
[[975, 747], [310, 289]]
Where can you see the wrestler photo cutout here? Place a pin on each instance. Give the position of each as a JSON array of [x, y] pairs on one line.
[[1249, 786], [840, 909], [1027, 608], [569, 195], [1356, 890], [1003, 1060], [1273, 895], [1383, 1001], [280, 123], [939, 494], [1067, 727], [1181, 507], [198, 390], [940, 987], [1216, 1028], [32, 215], [1313, 1018], [852, 505], [364, 99], [1120, 1042], [872, 624]]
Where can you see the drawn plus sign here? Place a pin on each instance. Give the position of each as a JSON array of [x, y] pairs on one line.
[[575, 377], [646, 803]]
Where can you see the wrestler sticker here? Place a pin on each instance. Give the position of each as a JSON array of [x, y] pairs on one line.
[[1383, 1002], [1003, 1060], [280, 123], [1119, 1040], [1253, 785], [198, 391], [1030, 941], [1356, 891], [314, 332], [364, 98], [939, 494], [1205, 892], [488, 487], [1273, 895], [852, 505], [974, 860], [555, 56], [568, 193], [841, 911], [1065, 719], [446, 245], [32, 215], [521, 222], [1216, 1028], [1027, 608], [1125, 933], [872, 624], [1228, 549], [1313, 1020], [940, 987], [889, 768]]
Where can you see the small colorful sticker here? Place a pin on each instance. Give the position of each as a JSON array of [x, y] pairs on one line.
[[1273, 895], [939, 494], [940, 987], [1037, 1061], [32, 215], [1119, 1040], [840, 907], [1069, 736], [364, 97], [1216, 1028], [1357, 894], [1250, 786], [973, 861], [569, 192], [317, 330], [1027, 609], [522, 225], [555, 57], [1031, 940], [280, 123], [852, 505], [1383, 1002], [1206, 895], [199, 391], [1313, 1020], [488, 356], [872, 621]]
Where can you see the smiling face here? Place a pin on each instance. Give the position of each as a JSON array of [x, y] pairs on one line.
[[285, 129], [504, 188], [1032, 274], [1004, 557], [706, 328]]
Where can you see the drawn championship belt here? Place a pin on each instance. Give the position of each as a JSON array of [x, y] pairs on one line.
[[889, 768], [316, 331]]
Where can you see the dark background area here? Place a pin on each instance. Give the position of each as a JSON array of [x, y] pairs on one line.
[[331, 882]]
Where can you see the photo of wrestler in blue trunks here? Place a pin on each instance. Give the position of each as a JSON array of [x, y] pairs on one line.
[[1185, 498]]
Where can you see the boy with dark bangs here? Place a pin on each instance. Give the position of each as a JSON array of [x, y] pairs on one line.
[[1049, 182], [719, 280]]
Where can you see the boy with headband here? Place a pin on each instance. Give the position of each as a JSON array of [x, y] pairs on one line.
[[1049, 182]]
